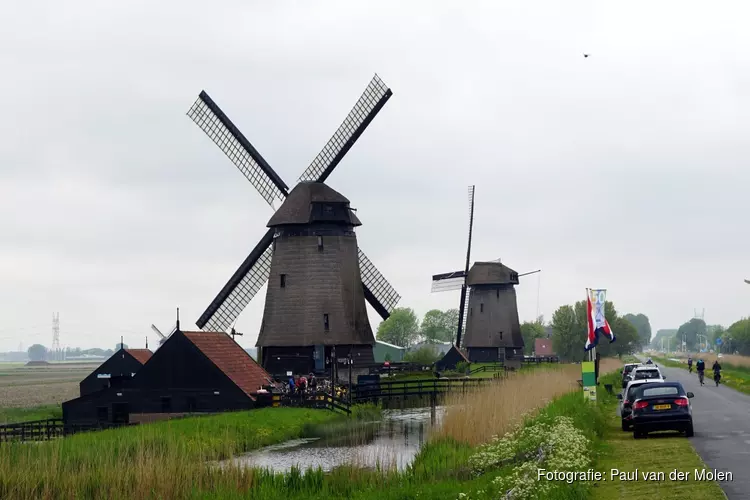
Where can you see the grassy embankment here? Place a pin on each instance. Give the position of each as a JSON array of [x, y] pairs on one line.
[[172, 459], [660, 453], [735, 370]]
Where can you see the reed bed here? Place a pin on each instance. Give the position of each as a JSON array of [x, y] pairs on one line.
[[475, 416], [160, 460]]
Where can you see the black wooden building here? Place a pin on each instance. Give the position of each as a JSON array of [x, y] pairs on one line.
[[116, 371], [451, 359], [315, 304], [192, 372], [493, 330]]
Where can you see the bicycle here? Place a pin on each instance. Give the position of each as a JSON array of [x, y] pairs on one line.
[[717, 377], [690, 368], [700, 376]]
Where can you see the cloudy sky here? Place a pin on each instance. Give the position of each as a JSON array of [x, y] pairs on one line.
[[626, 170]]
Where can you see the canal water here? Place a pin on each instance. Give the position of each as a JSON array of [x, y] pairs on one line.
[[392, 442]]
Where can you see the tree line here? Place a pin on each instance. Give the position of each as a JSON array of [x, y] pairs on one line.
[[569, 327], [403, 328], [38, 352], [697, 336], [567, 330]]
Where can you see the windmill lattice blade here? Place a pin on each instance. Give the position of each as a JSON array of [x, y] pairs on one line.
[[238, 292], [367, 107], [158, 332], [382, 291], [207, 115], [466, 312], [447, 285]]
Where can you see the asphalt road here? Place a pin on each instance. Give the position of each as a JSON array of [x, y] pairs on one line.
[[721, 419]]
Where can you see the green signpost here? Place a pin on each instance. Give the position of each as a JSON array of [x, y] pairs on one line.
[[588, 380]]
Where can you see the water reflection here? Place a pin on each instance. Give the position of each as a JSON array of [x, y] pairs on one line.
[[393, 442]]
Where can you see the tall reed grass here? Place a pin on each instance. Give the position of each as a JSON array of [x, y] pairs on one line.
[[474, 417]]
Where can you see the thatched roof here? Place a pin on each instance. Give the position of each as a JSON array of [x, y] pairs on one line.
[[314, 202]]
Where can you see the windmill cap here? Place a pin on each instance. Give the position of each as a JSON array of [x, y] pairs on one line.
[[491, 273], [312, 202]]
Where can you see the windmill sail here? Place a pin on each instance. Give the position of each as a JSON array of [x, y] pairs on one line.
[[254, 271]]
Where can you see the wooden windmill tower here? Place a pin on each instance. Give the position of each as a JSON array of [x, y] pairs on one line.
[[320, 278], [488, 329]]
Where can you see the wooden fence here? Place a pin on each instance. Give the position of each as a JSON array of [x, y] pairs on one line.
[[44, 430]]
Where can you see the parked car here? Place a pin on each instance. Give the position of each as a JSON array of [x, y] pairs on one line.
[[626, 400], [662, 406], [626, 372], [645, 372]]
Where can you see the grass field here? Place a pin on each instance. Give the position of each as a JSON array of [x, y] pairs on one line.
[[657, 454], [27, 387]]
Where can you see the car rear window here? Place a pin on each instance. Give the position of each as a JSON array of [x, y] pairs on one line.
[[641, 374], [631, 392], [667, 390]]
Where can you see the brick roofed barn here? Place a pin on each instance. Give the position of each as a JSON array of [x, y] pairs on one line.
[[192, 372], [231, 359], [115, 371], [141, 355], [543, 347]]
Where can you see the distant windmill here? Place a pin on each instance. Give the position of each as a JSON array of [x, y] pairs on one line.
[[487, 284], [163, 338]]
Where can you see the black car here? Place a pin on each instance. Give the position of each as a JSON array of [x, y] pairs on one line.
[[661, 406], [627, 397]]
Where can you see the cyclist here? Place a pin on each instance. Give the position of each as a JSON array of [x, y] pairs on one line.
[[690, 364], [701, 367], [717, 372]]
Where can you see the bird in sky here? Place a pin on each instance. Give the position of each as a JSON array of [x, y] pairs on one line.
[[585, 55]]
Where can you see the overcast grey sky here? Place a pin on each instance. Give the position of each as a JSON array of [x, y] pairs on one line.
[[626, 170]]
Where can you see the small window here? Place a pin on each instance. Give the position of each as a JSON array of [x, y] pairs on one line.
[[320, 243], [283, 280], [481, 308], [498, 293], [325, 322], [166, 404], [501, 335], [328, 209], [273, 245]]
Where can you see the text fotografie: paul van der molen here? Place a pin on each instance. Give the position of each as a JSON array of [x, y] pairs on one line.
[[674, 475]]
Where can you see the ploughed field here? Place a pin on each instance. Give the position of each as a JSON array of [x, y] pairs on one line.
[[32, 386]]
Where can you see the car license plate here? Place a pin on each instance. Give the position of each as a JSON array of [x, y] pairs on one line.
[[662, 407]]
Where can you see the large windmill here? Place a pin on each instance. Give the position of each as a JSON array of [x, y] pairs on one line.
[[313, 209], [488, 312]]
